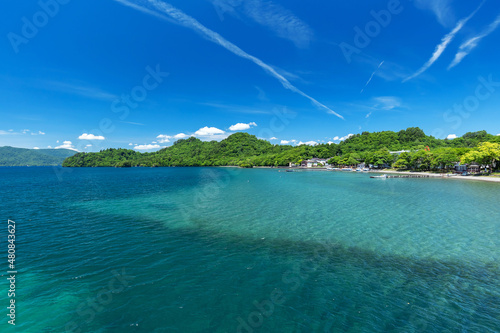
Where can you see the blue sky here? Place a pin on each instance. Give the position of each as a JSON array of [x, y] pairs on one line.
[[140, 74]]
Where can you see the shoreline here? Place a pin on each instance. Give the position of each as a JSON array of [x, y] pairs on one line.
[[431, 175], [441, 176]]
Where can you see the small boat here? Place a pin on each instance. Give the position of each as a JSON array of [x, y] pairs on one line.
[[358, 170], [289, 170], [384, 176], [347, 169]]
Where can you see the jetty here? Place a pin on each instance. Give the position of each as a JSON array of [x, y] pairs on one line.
[[409, 176]]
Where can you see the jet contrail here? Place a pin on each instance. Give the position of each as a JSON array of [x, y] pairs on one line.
[[444, 44], [471, 44], [371, 77], [189, 22]]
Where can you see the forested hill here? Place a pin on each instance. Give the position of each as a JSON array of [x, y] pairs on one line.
[[246, 150], [10, 156]]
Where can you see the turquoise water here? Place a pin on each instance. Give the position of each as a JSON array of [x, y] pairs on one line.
[[232, 250]]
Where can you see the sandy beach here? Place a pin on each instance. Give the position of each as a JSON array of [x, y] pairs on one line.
[[444, 176]]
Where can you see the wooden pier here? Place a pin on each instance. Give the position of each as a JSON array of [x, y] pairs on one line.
[[409, 176]]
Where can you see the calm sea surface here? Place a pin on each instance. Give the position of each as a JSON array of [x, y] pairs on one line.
[[232, 250]]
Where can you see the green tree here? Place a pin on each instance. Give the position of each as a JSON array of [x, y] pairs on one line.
[[487, 153]]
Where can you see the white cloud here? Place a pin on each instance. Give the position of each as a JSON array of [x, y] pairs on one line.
[[146, 147], [208, 131], [451, 136], [25, 131], [66, 145], [443, 45], [498, 134], [88, 146], [86, 136], [36, 148], [471, 43], [273, 138], [180, 136], [163, 138], [330, 142], [368, 115], [309, 143], [49, 146], [131, 144], [285, 142], [241, 126], [343, 138], [189, 22]]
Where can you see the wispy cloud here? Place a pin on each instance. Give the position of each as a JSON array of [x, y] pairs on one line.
[[371, 77], [471, 43], [270, 15], [78, 89], [441, 8], [387, 103], [191, 23], [444, 44], [145, 10], [24, 131], [131, 123], [236, 108]]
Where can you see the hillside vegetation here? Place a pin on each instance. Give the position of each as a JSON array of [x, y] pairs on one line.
[[242, 149], [10, 156]]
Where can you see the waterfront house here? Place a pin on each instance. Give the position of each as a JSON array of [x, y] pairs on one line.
[[314, 162], [460, 168]]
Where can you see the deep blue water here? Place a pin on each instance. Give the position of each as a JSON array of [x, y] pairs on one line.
[[232, 250]]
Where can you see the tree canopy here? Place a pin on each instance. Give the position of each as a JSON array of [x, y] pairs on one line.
[[243, 149]]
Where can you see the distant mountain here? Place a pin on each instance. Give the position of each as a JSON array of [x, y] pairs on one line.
[[11, 156]]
